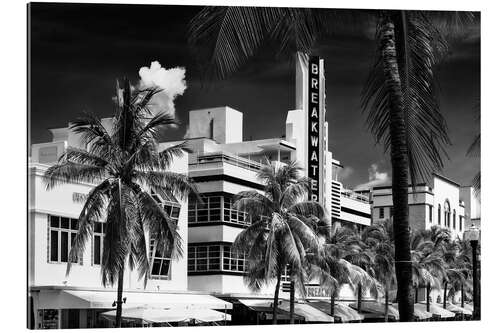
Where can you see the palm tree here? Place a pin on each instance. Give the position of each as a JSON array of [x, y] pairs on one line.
[[333, 265], [379, 240], [475, 151], [428, 266], [399, 94], [126, 165], [282, 230]]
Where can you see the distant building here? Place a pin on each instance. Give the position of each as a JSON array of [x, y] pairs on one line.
[[441, 204]]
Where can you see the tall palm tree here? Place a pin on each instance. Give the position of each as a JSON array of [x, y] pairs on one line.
[[379, 238], [399, 94], [125, 164], [474, 150], [282, 230]]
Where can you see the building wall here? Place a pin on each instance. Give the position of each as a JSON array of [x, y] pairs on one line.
[[60, 202]]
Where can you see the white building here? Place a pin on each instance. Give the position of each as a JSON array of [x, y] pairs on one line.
[[440, 204], [60, 301]]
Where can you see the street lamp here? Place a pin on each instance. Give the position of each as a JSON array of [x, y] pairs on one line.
[[472, 235]]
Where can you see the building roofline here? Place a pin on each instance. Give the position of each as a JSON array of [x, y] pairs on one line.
[[390, 186], [446, 179]]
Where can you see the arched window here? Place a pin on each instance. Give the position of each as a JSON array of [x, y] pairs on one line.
[[454, 219], [439, 214], [447, 214]]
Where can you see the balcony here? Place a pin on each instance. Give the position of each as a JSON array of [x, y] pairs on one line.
[[347, 193], [219, 157]]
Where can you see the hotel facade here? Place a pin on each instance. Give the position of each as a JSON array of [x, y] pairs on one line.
[[221, 164], [444, 203]]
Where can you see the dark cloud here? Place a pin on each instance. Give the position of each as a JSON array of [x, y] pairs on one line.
[[78, 51]]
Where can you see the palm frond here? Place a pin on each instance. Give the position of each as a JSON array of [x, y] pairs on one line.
[[425, 126], [69, 172]]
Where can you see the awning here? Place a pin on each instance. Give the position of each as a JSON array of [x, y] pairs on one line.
[[435, 310], [456, 309], [341, 311], [153, 315], [103, 299], [266, 306], [310, 313], [377, 309], [418, 312]]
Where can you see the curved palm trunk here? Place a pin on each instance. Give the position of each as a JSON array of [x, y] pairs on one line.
[[292, 302], [400, 165], [275, 302]]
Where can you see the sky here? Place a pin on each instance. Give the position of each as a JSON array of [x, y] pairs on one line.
[[79, 50]]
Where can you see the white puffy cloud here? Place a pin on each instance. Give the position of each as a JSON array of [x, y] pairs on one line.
[[172, 82], [375, 178]]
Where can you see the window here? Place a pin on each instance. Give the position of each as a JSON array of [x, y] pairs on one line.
[[430, 213], [439, 214], [159, 262], [215, 209], [381, 213], [98, 243], [447, 214], [461, 221], [62, 232], [217, 257], [454, 219]]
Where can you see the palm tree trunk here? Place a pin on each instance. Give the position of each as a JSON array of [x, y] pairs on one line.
[[427, 298], [444, 295], [276, 294], [119, 297], [332, 303], [400, 165], [119, 300], [416, 294], [292, 302], [386, 306], [462, 295], [360, 297]]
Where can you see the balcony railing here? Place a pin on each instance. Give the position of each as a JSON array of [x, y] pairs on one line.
[[347, 193], [206, 158]]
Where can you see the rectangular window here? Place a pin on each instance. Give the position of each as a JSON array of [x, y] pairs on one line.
[[430, 214], [203, 258], [160, 262], [381, 213], [214, 209], [98, 243], [461, 221], [62, 232]]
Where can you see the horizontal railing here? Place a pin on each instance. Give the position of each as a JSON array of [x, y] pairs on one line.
[[206, 158], [355, 196]]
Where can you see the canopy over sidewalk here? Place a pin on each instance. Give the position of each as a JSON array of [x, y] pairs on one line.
[[153, 315], [103, 299], [310, 313], [418, 312], [266, 306], [456, 309], [341, 311], [376, 309], [435, 309]]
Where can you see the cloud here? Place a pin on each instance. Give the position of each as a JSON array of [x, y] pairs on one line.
[[172, 82], [375, 178]]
